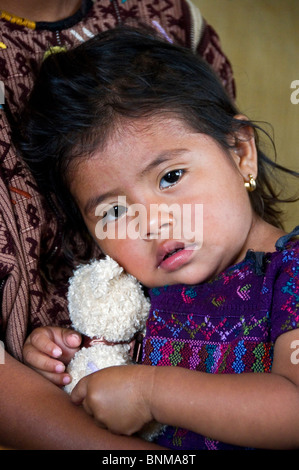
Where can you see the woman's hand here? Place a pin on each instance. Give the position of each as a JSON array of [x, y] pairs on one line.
[[117, 397], [49, 349]]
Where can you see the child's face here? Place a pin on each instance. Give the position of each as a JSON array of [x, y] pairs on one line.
[[167, 203]]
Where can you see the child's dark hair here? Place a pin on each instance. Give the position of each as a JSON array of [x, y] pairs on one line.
[[81, 95]]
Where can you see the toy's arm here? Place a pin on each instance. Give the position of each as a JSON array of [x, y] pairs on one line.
[[49, 349]]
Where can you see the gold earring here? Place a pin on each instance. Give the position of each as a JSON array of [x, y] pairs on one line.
[[251, 184]]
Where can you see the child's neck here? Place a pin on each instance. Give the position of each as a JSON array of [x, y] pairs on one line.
[[41, 10], [263, 236]]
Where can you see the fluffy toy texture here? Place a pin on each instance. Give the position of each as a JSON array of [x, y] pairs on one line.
[[106, 304]]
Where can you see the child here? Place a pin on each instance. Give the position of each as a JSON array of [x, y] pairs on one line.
[[143, 123], [30, 237]]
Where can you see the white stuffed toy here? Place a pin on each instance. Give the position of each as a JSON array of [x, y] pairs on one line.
[[108, 306]]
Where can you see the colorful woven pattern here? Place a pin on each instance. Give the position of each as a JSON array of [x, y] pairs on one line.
[[241, 356]]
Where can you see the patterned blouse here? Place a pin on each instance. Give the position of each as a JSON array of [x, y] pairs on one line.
[[226, 326]]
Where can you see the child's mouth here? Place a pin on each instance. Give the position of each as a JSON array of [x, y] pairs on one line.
[[168, 255], [172, 255]]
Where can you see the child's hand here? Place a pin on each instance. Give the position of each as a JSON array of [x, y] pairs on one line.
[[49, 349], [117, 397]]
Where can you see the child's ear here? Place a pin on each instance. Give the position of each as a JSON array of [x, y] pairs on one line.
[[244, 150]]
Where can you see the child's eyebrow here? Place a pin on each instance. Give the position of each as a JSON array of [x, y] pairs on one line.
[[161, 158], [93, 202]]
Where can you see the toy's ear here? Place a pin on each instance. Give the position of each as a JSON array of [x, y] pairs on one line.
[[102, 273]]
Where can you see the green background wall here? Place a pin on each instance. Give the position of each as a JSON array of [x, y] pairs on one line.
[[261, 39]]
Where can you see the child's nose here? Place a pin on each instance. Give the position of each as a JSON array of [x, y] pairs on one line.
[[159, 222]]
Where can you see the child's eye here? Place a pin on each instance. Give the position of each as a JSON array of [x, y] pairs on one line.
[[114, 213], [171, 178]]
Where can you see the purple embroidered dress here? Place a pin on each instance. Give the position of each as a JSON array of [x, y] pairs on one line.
[[225, 326]]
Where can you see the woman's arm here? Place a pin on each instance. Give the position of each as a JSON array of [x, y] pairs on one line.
[[255, 409], [35, 414]]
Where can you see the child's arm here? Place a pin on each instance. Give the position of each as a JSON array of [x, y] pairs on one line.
[[255, 409], [35, 414], [49, 349]]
